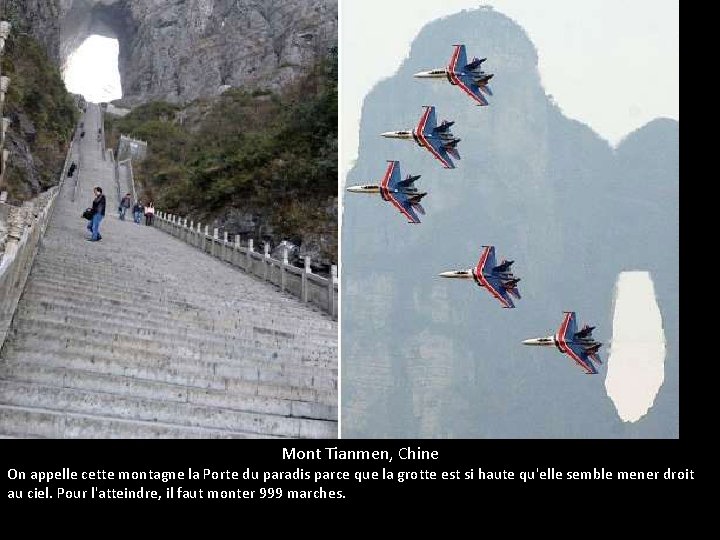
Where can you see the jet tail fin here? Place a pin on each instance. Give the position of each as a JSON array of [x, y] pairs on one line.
[[515, 292], [414, 201]]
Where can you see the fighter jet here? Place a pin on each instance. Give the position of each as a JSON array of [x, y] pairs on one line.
[[469, 77], [438, 140], [496, 278], [402, 194], [579, 346]]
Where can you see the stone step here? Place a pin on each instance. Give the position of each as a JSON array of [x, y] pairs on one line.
[[198, 375], [30, 423], [54, 300], [168, 293], [134, 387], [174, 305], [237, 324], [31, 395], [262, 343], [227, 367], [303, 358], [130, 282]]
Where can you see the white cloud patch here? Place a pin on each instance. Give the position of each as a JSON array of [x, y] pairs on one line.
[[636, 366]]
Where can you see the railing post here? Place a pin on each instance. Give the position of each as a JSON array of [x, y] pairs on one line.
[[215, 240], [248, 263], [305, 282], [266, 261], [207, 233], [283, 267], [225, 246], [236, 251], [332, 309]]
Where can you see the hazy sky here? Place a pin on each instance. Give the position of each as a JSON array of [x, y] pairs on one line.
[[612, 64], [93, 70]]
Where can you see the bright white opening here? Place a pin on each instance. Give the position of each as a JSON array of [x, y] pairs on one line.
[[636, 366], [92, 70]]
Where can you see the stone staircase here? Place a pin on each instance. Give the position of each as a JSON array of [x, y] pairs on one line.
[[142, 336]]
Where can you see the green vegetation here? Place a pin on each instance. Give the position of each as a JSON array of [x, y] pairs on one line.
[[268, 155], [43, 115]]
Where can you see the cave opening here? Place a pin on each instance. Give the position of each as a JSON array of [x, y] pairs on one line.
[[92, 70]]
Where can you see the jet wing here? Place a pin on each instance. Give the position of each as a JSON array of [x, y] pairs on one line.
[[430, 141], [428, 122], [399, 200], [457, 75], [491, 283], [567, 346], [458, 58]]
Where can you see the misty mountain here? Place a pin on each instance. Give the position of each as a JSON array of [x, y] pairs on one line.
[[427, 357]]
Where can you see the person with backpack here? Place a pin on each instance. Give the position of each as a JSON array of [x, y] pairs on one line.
[[98, 213]]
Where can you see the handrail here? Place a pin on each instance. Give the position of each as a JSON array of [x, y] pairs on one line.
[[77, 172], [131, 177], [301, 282], [29, 226], [127, 163], [117, 183]]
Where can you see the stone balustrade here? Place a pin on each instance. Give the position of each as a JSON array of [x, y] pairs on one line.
[[301, 282], [4, 85], [21, 230]]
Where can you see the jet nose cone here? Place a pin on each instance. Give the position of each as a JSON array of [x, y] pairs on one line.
[[354, 189], [422, 74], [390, 134], [538, 341], [455, 274]]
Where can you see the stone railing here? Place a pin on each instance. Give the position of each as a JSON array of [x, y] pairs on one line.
[[130, 175], [25, 226], [301, 282], [129, 148], [21, 231]]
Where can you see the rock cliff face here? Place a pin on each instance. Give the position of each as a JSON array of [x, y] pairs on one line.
[[179, 50]]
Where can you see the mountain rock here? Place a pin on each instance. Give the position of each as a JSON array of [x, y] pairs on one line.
[[178, 51]]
